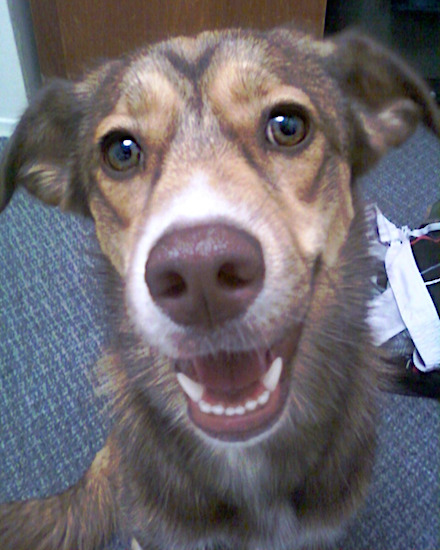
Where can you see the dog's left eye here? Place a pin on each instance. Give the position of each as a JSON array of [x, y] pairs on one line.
[[286, 127], [121, 152]]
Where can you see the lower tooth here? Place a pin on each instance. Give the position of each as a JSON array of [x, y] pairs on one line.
[[205, 407], [263, 398], [218, 410], [251, 405]]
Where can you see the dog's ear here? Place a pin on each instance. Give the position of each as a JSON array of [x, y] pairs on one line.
[[386, 98], [40, 153]]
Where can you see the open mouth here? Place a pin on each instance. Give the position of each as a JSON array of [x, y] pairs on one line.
[[236, 396]]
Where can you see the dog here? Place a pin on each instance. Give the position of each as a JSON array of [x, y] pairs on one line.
[[220, 172]]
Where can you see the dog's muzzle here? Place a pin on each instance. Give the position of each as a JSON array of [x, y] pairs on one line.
[[201, 277]]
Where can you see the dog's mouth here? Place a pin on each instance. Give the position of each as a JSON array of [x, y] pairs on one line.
[[235, 396]]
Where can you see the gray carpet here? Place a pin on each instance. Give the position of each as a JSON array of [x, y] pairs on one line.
[[52, 328]]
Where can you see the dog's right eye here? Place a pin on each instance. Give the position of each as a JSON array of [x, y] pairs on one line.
[[121, 152]]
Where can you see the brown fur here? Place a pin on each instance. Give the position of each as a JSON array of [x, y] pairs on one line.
[[200, 106]]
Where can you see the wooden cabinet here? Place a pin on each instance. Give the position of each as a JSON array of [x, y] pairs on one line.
[[70, 34]]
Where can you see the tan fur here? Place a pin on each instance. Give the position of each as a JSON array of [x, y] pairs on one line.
[[199, 108]]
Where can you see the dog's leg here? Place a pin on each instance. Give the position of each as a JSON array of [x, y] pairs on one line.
[[82, 518]]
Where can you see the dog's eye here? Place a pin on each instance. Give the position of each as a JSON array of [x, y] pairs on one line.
[[286, 127], [121, 152]]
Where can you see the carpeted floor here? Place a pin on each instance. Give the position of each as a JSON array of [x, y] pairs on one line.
[[52, 328]]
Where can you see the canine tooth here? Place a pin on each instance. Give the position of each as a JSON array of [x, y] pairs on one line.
[[218, 410], [272, 377], [205, 407], [263, 398], [193, 389], [240, 410], [251, 405]]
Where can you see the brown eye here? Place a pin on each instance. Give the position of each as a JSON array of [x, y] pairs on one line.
[[121, 152], [286, 127]]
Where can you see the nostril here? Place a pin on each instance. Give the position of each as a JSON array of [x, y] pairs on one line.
[[229, 277], [173, 285], [164, 283]]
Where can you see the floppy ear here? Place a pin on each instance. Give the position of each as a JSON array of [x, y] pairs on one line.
[[40, 153], [386, 98]]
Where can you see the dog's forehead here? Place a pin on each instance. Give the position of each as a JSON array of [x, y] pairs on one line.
[[245, 63]]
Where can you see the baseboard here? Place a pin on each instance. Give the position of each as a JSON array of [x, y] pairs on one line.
[[7, 126]]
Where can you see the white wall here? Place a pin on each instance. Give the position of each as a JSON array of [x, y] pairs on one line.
[[13, 97], [19, 69]]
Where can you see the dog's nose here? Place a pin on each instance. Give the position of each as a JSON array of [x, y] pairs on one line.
[[206, 274]]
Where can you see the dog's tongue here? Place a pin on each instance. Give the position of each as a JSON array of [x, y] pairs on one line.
[[230, 372]]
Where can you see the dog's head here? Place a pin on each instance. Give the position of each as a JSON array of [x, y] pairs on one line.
[[219, 173]]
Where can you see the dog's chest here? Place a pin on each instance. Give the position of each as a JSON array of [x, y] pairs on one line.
[[250, 517], [274, 526]]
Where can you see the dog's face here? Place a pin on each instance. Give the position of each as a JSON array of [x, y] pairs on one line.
[[219, 173], [223, 178]]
